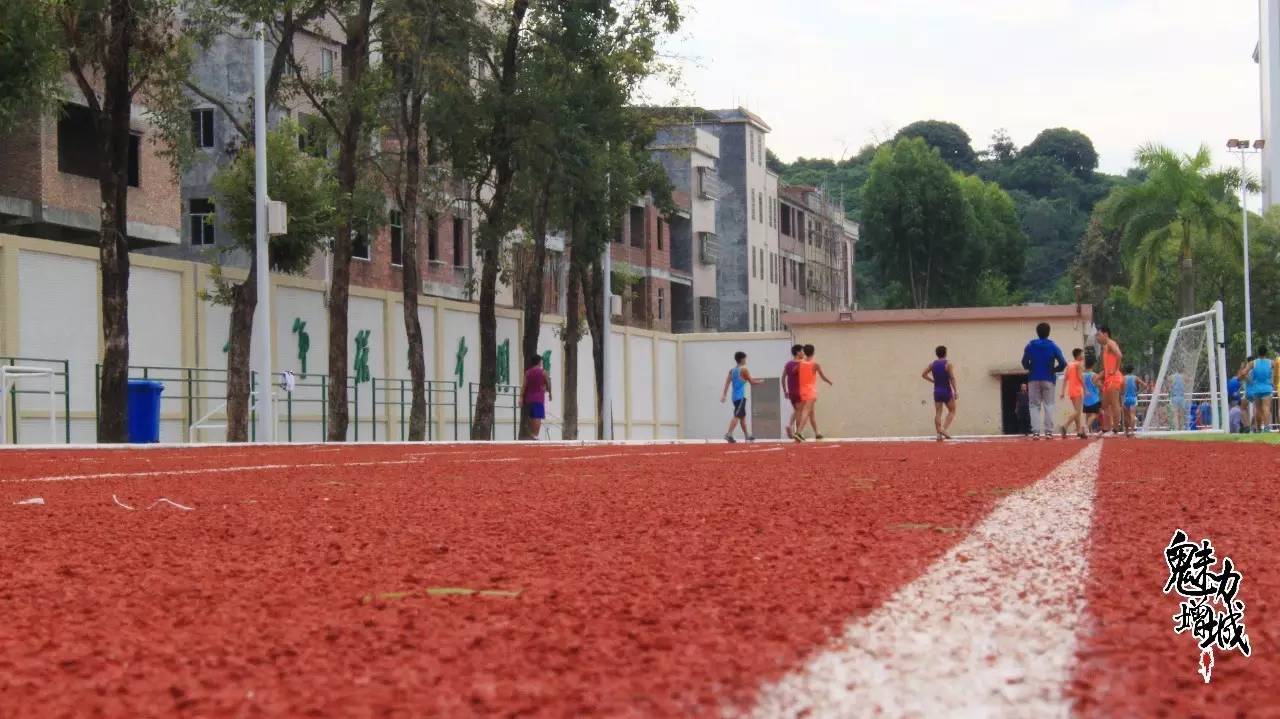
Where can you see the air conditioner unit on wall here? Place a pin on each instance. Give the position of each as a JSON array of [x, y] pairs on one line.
[[615, 305]]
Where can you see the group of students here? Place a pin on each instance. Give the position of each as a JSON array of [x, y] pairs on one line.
[[799, 384], [1253, 387], [1109, 396]]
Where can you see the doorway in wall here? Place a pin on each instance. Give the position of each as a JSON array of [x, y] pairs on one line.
[[1012, 421]]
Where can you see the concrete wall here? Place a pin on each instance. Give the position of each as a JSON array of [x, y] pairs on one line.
[[705, 362], [876, 373], [49, 309]]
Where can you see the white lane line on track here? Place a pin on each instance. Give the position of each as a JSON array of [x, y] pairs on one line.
[[989, 630], [617, 454], [750, 451], [206, 470]]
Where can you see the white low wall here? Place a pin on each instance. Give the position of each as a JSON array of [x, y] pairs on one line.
[[663, 386]]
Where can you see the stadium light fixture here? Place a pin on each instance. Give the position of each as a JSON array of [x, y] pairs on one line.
[[1245, 148]]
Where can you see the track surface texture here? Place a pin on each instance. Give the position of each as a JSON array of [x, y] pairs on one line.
[[1130, 661], [658, 580]]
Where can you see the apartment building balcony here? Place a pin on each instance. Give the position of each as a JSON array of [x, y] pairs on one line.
[[455, 282]]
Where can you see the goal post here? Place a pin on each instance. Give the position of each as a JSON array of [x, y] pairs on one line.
[[1193, 374]]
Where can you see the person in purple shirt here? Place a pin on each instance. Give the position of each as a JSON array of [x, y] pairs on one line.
[[791, 385], [1043, 360], [942, 374], [537, 390]]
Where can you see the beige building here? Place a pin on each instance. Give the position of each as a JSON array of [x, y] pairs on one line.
[[875, 357]]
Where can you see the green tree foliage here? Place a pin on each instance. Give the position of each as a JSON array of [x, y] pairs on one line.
[[1071, 149], [998, 242], [951, 142], [1181, 196], [304, 183], [31, 81], [307, 187], [116, 52], [914, 219]]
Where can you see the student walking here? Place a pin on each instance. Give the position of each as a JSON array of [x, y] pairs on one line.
[[739, 377]]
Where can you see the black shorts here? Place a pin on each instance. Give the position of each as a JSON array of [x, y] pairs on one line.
[[740, 408], [1093, 408]]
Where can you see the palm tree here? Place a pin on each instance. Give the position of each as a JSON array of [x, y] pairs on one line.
[[1181, 194]]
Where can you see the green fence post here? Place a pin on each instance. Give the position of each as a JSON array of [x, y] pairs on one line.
[[190, 407], [373, 424], [355, 393], [324, 411], [401, 410], [13, 407], [253, 409], [288, 404]]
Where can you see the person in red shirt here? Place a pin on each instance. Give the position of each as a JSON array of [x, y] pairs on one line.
[[791, 386], [537, 391]]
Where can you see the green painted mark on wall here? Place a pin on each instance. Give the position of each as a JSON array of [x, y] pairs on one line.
[[546, 362], [362, 356], [459, 365], [504, 362], [304, 343]]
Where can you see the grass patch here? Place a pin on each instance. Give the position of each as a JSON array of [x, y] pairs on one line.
[[1252, 438]]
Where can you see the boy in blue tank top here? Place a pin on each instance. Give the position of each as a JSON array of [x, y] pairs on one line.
[[1132, 385], [738, 379]]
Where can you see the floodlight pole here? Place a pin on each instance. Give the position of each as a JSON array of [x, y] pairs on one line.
[[262, 329], [1244, 223]]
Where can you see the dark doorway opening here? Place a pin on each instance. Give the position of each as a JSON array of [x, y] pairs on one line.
[[1014, 419]]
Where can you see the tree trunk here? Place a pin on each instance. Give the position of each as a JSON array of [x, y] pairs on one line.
[[592, 286], [572, 323], [1187, 281], [113, 243], [244, 302], [492, 232], [482, 418], [531, 322], [409, 269], [355, 57]]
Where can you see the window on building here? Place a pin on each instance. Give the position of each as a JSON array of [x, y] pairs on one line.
[[312, 138], [638, 228], [78, 145], [202, 127], [201, 213], [785, 262], [360, 245], [795, 274], [395, 222], [661, 303], [433, 237], [773, 275], [328, 58], [662, 230], [459, 230], [753, 204], [751, 146]]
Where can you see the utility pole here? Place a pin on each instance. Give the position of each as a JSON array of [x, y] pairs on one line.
[[265, 423]]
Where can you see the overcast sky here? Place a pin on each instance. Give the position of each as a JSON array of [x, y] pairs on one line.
[[831, 75]]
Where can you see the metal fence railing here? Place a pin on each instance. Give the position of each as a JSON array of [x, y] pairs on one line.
[[507, 398], [395, 397], [61, 373]]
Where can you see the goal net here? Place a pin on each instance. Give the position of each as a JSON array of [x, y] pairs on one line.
[[1190, 390]]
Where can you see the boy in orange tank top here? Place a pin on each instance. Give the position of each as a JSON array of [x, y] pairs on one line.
[[1112, 381], [1073, 387]]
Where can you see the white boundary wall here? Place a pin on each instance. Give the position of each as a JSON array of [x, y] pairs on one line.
[[664, 386]]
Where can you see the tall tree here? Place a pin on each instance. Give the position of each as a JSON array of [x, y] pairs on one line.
[[1182, 194], [306, 185], [116, 51], [914, 218], [996, 242], [951, 142], [1073, 149], [427, 44], [345, 106], [283, 21]]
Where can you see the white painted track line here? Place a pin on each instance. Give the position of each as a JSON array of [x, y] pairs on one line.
[[988, 630]]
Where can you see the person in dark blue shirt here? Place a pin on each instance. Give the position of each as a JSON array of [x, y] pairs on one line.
[[1043, 360]]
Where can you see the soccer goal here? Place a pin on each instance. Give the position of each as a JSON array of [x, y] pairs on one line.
[[1193, 374]]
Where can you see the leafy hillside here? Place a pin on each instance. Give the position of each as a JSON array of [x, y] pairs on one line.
[[1053, 182]]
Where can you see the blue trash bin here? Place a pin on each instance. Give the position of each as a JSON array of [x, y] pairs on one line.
[[143, 410]]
